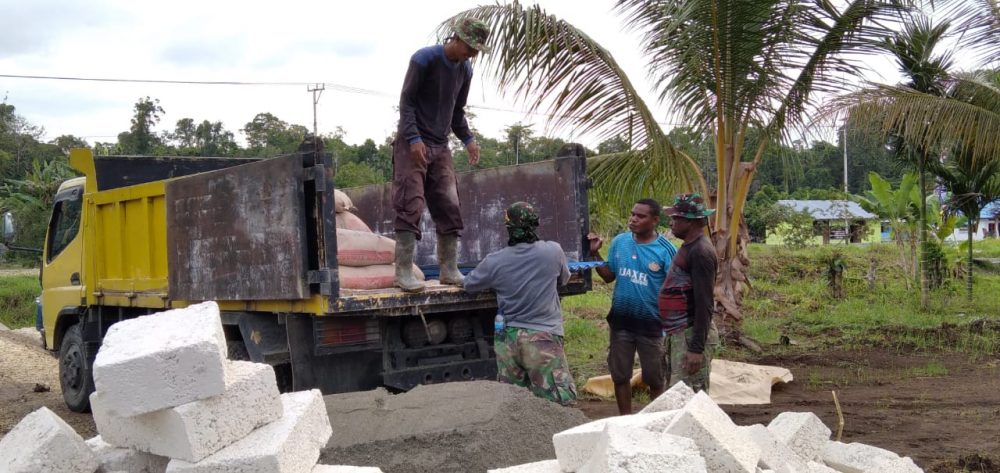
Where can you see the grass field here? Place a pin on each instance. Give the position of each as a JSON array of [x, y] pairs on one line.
[[790, 299], [17, 300]]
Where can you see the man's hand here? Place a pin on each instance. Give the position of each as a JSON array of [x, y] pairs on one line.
[[595, 243], [418, 151], [693, 362], [473, 149]]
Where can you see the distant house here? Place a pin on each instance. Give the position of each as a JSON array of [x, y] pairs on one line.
[[833, 220], [989, 225]]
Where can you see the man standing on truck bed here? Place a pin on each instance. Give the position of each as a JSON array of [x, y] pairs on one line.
[[687, 299], [525, 276], [637, 262], [431, 105]]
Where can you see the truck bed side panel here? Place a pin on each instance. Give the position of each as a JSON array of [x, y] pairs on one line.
[[556, 188], [243, 233]]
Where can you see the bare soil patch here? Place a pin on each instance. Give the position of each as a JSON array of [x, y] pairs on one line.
[[29, 379], [900, 401]]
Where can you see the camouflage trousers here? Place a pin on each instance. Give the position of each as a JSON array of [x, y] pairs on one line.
[[535, 360], [676, 345]]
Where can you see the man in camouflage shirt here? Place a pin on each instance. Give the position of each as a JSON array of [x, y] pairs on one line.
[[525, 276], [687, 299]]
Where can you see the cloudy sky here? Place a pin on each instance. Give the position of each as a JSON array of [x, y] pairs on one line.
[[347, 45]]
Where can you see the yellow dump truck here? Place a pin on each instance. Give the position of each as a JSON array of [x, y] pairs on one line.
[[136, 235]]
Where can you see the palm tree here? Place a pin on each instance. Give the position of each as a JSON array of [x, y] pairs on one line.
[[973, 186], [936, 111], [727, 68]]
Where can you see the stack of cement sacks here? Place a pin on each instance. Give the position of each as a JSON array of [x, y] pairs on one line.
[[365, 259], [684, 432], [168, 400]]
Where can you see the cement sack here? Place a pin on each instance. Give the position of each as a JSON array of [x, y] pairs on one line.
[[731, 382], [372, 277], [343, 202], [349, 221], [604, 387], [356, 248], [735, 383]]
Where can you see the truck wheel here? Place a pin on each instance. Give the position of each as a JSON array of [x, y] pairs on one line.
[[75, 373]]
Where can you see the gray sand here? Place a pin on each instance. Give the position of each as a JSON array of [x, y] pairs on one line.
[[465, 427]]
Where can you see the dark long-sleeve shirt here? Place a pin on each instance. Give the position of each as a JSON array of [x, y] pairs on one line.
[[687, 298], [432, 102]]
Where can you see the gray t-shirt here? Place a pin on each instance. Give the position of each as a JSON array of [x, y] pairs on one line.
[[525, 277]]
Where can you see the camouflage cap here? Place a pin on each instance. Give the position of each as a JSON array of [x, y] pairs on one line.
[[521, 220], [690, 206], [474, 32], [521, 214]]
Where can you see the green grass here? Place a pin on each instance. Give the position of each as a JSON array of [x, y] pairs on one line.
[[17, 301], [790, 298]]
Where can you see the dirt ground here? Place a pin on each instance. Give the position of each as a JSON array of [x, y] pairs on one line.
[[29, 379], [940, 409], [945, 422]]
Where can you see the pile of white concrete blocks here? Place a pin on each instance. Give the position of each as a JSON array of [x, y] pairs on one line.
[[168, 400], [684, 432]]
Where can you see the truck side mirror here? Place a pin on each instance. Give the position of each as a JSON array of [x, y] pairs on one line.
[[8, 228]]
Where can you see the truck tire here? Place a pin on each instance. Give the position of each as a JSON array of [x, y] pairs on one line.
[[76, 375]]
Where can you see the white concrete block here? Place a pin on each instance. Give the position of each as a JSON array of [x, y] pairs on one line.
[[289, 444], [803, 432], [774, 454], [672, 399], [44, 443], [197, 429], [722, 445], [575, 446], [636, 450], [114, 458], [861, 458], [162, 360], [345, 469], [817, 467], [544, 466]]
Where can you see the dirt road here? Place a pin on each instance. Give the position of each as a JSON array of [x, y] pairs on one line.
[[29, 379]]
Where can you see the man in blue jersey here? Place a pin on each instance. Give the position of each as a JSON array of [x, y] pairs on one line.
[[431, 106], [637, 262]]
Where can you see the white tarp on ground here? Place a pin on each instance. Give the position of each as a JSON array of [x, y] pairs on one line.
[[731, 382]]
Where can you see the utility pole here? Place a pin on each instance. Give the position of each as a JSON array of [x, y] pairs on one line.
[[845, 157], [847, 222], [317, 92]]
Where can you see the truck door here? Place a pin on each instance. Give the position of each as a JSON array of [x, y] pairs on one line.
[[62, 286]]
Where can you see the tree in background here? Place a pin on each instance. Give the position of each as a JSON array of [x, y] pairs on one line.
[[267, 135], [725, 67], [925, 115], [141, 139], [972, 186]]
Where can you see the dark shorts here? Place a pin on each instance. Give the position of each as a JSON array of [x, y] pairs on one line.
[[621, 358]]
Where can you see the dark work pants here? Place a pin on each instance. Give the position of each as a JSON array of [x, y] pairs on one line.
[[433, 185]]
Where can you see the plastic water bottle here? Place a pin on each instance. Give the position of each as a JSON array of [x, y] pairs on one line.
[[498, 322]]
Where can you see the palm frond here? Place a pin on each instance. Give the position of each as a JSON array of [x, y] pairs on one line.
[[551, 65], [928, 121]]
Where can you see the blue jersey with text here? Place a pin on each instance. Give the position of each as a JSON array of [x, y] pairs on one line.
[[639, 273]]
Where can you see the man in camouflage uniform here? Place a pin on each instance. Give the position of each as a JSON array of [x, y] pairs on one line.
[[687, 299], [525, 276]]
